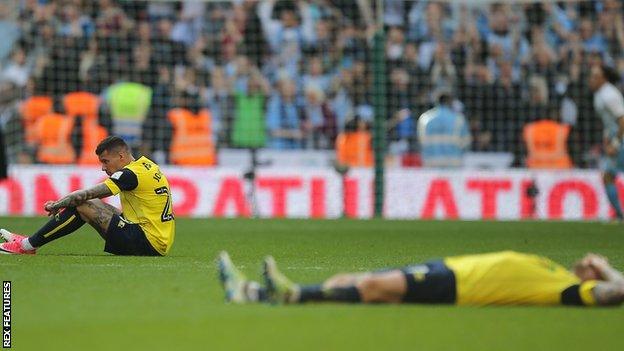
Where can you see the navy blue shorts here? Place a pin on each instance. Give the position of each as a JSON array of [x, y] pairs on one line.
[[127, 239], [432, 282]]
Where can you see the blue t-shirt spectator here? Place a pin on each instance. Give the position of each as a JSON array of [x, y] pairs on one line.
[[283, 123]]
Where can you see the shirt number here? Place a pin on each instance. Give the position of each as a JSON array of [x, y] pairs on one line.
[[166, 214]]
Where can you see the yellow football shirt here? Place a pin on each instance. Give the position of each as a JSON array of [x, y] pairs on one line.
[[512, 278], [146, 200]]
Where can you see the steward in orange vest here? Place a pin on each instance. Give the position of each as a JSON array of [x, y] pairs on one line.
[[31, 109], [354, 146], [86, 105], [54, 138], [546, 142], [192, 142]]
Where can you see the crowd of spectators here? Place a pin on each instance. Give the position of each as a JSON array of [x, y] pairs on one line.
[[310, 64]]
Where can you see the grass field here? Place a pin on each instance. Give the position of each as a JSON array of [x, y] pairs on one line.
[[72, 296]]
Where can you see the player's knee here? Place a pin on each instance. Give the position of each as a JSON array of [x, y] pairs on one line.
[[341, 279], [371, 289], [85, 209], [82, 210]]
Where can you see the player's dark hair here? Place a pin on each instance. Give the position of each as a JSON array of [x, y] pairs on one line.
[[111, 143], [610, 74]]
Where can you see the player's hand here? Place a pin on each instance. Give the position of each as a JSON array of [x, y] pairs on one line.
[[49, 207], [592, 257], [597, 262]]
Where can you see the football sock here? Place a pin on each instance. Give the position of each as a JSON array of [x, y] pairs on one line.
[[338, 294], [61, 224], [311, 293], [255, 292], [343, 294], [612, 194], [26, 245]]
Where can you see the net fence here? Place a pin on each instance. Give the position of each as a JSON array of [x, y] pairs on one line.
[[191, 82]]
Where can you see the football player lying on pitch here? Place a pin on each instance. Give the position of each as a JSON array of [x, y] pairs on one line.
[[146, 227], [499, 278]]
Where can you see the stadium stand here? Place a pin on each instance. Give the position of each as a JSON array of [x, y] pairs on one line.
[[291, 75]]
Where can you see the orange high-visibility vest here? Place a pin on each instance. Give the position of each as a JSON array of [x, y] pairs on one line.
[[192, 142], [54, 138], [81, 103], [354, 149], [546, 142], [92, 134], [86, 105], [31, 109]]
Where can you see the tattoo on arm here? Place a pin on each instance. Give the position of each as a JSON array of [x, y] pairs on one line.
[[101, 216], [609, 293], [610, 274], [80, 196]]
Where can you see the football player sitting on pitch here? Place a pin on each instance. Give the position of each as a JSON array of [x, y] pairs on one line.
[[500, 278], [146, 227]]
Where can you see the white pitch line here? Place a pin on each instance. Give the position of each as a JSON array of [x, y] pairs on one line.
[[313, 268]]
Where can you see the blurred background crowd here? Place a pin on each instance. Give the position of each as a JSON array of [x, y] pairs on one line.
[[297, 74]]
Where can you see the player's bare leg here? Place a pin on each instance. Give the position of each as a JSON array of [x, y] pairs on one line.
[[98, 214], [387, 287], [380, 287], [343, 279]]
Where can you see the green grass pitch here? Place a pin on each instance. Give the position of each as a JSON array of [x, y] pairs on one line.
[[72, 296]]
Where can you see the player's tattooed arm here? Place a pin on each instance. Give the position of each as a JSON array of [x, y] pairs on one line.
[[610, 289], [78, 197], [609, 293]]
